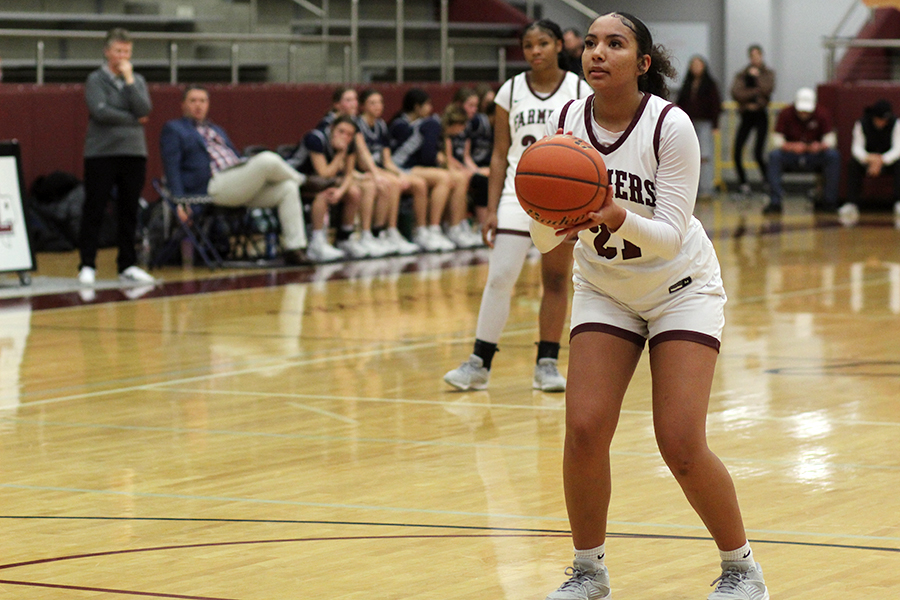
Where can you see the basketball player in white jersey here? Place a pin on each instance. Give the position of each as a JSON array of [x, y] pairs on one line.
[[524, 106], [644, 270]]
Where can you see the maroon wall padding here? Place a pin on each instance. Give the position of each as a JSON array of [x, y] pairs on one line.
[[49, 121], [846, 102], [871, 63]]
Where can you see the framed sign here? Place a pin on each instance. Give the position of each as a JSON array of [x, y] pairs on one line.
[[15, 251]]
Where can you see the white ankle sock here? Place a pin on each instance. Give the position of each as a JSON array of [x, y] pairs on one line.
[[595, 555], [742, 555]]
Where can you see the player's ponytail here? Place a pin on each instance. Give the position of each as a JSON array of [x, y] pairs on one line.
[[654, 80]]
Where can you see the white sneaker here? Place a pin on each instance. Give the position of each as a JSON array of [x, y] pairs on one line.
[[585, 583], [471, 375], [87, 276], [353, 248], [737, 584], [423, 239], [137, 274], [848, 208], [399, 243], [441, 240], [475, 234], [320, 251], [375, 246], [461, 235], [547, 377], [133, 293], [848, 214], [897, 208]]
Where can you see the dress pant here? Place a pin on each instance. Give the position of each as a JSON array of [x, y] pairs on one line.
[[102, 175], [751, 121], [264, 181]]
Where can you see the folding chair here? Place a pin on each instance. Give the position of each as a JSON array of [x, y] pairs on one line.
[[192, 229]]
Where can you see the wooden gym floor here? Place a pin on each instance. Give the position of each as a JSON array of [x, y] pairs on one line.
[[255, 434]]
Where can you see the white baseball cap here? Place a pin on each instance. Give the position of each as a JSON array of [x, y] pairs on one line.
[[805, 101]]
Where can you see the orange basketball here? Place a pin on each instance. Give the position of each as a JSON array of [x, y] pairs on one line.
[[560, 179]]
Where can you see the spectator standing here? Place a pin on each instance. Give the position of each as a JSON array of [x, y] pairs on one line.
[[752, 89], [115, 156], [699, 97], [875, 150], [199, 159], [804, 140]]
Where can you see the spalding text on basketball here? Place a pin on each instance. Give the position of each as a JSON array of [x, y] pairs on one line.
[[560, 223]]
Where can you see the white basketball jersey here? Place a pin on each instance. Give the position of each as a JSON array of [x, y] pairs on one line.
[[660, 140], [529, 113]]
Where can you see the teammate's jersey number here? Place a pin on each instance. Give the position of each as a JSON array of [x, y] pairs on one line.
[[528, 140], [629, 250]]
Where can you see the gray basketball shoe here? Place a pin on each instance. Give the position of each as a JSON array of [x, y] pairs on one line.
[[547, 377], [585, 583], [737, 584], [471, 375]]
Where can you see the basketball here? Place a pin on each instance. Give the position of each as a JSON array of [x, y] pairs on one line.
[[560, 179]]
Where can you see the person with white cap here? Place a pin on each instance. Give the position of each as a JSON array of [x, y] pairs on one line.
[[804, 140]]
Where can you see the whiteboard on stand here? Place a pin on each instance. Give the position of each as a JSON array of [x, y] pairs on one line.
[[15, 251]]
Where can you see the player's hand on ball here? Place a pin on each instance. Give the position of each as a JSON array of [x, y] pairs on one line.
[[610, 214]]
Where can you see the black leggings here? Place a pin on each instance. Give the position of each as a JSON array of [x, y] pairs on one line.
[[126, 175], [751, 120]]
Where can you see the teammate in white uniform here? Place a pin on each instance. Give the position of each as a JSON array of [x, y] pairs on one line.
[[524, 106], [645, 269]]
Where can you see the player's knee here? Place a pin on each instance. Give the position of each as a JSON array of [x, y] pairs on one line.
[[502, 280], [680, 453], [556, 283], [584, 437]]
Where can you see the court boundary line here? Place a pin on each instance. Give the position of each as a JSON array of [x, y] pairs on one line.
[[421, 511]]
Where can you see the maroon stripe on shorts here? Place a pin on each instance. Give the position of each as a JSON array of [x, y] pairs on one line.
[[626, 335], [513, 232], [686, 336]]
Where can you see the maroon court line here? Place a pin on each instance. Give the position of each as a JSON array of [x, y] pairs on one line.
[[106, 590], [213, 544], [278, 541]]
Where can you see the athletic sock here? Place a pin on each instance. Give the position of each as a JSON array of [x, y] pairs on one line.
[[485, 351], [743, 555], [344, 233], [595, 555], [547, 350]]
